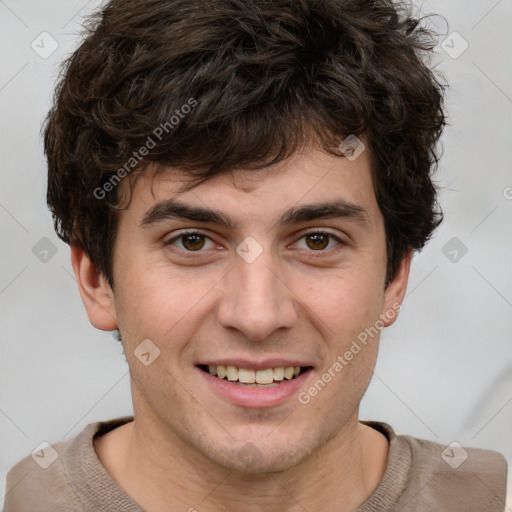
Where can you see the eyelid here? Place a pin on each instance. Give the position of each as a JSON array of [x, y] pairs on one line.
[[314, 231], [184, 232]]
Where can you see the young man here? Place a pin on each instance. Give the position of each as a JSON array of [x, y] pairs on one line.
[[243, 184]]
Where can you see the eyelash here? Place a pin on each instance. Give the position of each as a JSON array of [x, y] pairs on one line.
[[200, 252]]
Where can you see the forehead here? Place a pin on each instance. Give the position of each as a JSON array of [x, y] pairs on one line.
[[304, 178]]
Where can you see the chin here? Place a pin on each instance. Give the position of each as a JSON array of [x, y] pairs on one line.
[[259, 455], [251, 462]]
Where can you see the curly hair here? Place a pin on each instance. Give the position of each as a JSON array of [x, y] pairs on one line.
[[264, 78]]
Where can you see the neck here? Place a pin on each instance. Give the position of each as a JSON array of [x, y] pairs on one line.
[[158, 471]]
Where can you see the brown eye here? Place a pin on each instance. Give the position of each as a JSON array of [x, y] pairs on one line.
[[320, 242], [317, 241], [193, 242]]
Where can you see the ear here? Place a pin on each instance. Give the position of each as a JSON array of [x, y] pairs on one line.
[[395, 291], [97, 296]]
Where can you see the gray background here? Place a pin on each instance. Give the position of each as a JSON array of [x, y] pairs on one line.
[[445, 369]]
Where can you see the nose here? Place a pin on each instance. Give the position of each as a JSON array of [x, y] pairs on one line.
[[255, 299]]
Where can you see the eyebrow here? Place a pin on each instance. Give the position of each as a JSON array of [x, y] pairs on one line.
[[168, 209]]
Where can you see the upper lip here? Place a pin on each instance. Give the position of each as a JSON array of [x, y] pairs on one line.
[[256, 365]]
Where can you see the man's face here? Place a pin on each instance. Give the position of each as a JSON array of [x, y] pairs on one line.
[[278, 288]]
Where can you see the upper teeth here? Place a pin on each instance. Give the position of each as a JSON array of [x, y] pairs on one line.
[[248, 376]]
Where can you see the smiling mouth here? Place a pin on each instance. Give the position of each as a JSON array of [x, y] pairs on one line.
[[247, 377]]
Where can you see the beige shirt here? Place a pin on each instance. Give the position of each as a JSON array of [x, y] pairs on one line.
[[420, 476]]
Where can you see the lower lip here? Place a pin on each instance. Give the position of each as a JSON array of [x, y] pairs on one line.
[[255, 397]]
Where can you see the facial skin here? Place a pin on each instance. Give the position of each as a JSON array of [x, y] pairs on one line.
[[293, 302]]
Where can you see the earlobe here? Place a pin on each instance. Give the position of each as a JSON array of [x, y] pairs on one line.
[[395, 291], [95, 291]]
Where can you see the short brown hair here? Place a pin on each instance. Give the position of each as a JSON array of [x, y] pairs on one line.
[[266, 77]]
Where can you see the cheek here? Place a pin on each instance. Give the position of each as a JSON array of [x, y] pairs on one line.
[[347, 314], [346, 303], [160, 304]]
